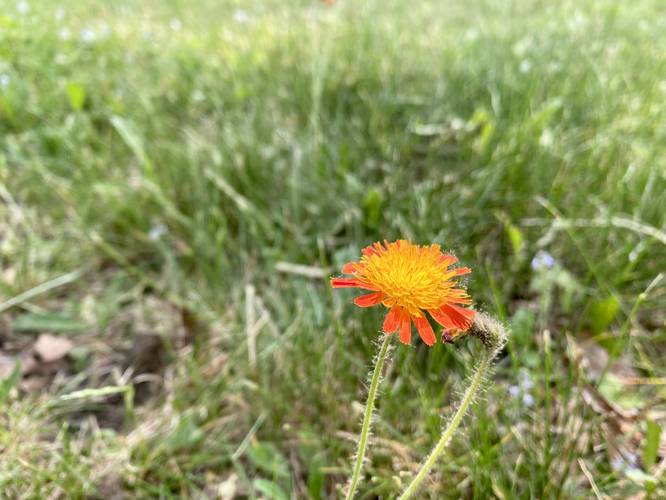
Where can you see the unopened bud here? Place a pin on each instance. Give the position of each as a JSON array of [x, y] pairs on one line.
[[489, 331]]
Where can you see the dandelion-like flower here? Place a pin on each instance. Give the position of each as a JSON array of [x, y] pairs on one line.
[[411, 280]]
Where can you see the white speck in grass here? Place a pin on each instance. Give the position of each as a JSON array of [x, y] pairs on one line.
[[522, 46], [22, 7], [542, 260], [458, 123], [59, 14], [525, 66], [514, 391], [64, 34], [4, 81], [528, 400], [157, 231], [637, 251], [198, 96], [241, 17], [87, 35], [546, 139], [175, 24]]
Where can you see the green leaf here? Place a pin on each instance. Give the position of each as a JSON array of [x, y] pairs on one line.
[[7, 384], [483, 122], [639, 477], [601, 314], [315, 480], [372, 207], [615, 391], [46, 322], [269, 489], [77, 96], [652, 439], [267, 457], [516, 238]]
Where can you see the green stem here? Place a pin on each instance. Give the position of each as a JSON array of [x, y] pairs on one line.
[[367, 417], [475, 383]]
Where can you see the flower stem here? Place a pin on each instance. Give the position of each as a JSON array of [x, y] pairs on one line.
[[468, 397], [367, 417]]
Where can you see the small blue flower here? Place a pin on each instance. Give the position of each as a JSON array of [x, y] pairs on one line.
[[542, 260]]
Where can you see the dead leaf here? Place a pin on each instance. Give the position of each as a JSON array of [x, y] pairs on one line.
[[228, 488], [50, 348]]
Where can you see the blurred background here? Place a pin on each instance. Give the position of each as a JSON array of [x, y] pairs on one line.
[[178, 180]]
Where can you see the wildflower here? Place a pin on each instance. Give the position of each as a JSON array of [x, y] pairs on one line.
[[624, 463], [542, 260], [410, 280]]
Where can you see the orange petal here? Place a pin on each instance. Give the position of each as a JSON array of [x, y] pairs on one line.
[[351, 283], [442, 318], [345, 283], [405, 328], [425, 330], [350, 268], [459, 297], [392, 320], [447, 259], [369, 300], [461, 317], [368, 251], [462, 270]]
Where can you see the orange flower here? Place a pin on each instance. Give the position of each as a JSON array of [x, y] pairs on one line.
[[410, 279]]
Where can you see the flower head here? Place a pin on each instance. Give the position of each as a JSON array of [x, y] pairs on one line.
[[409, 280]]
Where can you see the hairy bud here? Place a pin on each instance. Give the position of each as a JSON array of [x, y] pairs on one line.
[[489, 331]]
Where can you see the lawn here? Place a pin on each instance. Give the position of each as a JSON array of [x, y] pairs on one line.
[[179, 179]]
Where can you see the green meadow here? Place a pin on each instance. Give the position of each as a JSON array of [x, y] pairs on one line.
[[179, 179]]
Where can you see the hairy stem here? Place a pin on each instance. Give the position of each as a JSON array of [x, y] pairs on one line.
[[367, 417], [493, 336]]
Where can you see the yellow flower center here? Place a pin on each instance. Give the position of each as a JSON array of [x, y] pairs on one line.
[[412, 277]]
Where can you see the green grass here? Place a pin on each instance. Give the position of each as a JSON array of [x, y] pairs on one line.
[[179, 158]]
